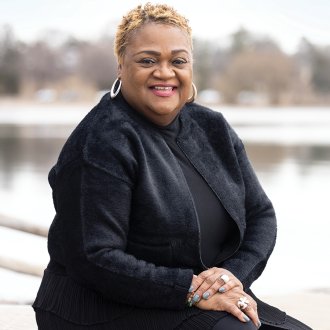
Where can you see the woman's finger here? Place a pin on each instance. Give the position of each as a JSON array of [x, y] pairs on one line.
[[229, 283], [199, 279], [246, 314], [232, 302], [218, 282], [201, 283], [211, 281], [207, 288], [235, 311], [249, 307]]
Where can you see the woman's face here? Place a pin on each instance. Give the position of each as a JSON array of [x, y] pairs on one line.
[[156, 71]]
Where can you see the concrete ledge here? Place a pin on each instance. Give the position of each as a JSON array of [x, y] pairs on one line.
[[311, 307], [32, 259], [17, 317]]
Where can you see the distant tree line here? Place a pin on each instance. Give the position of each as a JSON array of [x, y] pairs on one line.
[[250, 66]]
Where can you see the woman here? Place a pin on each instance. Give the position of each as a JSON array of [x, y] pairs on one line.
[[160, 220]]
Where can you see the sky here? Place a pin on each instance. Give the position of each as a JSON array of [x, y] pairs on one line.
[[286, 21]]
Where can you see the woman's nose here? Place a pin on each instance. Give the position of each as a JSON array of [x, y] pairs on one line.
[[164, 71]]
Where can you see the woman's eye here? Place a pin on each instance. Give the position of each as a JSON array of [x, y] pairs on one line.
[[179, 61], [147, 61]]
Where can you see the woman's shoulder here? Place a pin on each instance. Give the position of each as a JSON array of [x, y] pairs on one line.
[[207, 119], [110, 116], [200, 111], [106, 127], [211, 121], [199, 120]]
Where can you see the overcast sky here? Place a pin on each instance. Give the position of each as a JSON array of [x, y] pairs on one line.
[[286, 21]]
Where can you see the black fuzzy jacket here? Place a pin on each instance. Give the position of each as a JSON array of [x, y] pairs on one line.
[[126, 233]]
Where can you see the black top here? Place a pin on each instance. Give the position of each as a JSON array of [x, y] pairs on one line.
[[216, 226], [124, 242]]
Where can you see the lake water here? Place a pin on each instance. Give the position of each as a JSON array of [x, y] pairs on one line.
[[289, 149]]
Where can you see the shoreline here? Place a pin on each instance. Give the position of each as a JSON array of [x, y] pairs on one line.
[[263, 125]]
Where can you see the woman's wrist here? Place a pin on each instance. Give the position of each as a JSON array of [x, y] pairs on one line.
[[190, 294]]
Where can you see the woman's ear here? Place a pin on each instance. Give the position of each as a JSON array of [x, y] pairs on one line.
[[119, 68]]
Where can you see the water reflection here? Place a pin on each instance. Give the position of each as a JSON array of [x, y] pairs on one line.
[[35, 154], [267, 158], [38, 155], [24, 166]]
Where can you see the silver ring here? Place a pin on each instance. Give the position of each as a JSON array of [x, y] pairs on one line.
[[225, 278], [242, 303]]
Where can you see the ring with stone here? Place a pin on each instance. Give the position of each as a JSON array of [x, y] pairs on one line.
[[242, 303], [225, 278]]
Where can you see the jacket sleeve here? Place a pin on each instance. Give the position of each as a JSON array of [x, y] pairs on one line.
[[260, 232], [94, 206]]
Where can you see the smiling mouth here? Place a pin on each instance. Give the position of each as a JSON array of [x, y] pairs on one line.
[[164, 91], [163, 88]]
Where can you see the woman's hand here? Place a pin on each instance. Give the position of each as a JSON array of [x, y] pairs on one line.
[[228, 302], [212, 281]]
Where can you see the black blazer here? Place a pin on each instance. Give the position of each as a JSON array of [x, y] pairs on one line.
[[126, 232]]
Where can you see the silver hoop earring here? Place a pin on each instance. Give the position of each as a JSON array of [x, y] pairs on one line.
[[194, 95], [113, 92]]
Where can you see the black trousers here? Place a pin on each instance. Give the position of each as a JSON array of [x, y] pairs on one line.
[[50, 321], [229, 322]]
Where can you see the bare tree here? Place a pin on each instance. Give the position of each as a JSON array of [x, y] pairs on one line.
[[10, 62], [98, 65], [269, 73], [42, 64]]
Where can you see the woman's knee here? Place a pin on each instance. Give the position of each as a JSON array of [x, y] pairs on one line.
[[232, 323]]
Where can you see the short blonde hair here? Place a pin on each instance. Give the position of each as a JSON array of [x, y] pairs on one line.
[[137, 17]]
